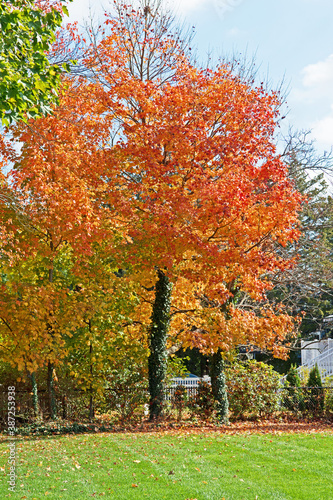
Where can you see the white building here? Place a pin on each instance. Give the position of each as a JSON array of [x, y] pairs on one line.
[[318, 352]]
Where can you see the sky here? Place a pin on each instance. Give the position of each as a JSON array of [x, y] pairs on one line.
[[292, 41]]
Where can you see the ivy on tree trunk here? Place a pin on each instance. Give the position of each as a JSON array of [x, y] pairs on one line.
[[157, 361], [219, 388]]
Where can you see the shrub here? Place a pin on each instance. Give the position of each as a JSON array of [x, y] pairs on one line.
[[203, 402], [314, 377], [294, 396], [127, 393], [315, 396], [252, 389], [328, 404], [179, 399], [293, 378]]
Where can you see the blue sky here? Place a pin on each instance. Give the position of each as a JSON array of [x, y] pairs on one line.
[[292, 40]]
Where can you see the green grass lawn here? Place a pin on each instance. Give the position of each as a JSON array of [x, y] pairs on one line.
[[172, 466]]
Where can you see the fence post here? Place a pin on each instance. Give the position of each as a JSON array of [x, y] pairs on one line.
[[64, 407]]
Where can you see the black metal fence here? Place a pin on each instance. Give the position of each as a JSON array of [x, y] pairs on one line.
[[75, 405], [307, 400], [70, 406]]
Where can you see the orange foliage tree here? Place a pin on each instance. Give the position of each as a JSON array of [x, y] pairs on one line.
[[194, 172]]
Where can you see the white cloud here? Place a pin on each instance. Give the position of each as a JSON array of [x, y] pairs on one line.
[[313, 100], [318, 81], [319, 74], [322, 130]]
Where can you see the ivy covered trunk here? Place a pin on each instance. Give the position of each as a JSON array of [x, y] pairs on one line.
[[157, 361], [219, 387], [51, 392]]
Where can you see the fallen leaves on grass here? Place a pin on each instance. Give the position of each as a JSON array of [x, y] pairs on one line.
[[240, 427]]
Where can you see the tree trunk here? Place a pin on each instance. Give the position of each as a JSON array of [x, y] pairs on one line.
[[50, 390], [219, 388], [35, 402], [157, 361]]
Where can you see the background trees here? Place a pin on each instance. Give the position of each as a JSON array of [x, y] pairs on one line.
[[307, 286]]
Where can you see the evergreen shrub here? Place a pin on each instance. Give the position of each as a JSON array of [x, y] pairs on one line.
[[315, 397]]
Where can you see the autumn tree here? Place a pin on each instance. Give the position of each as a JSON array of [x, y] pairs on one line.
[[193, 169]]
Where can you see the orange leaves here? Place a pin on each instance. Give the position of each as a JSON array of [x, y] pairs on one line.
[[196, 180], [214, 329], [175, 170]]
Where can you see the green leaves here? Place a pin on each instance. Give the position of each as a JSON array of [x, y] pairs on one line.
[[28, 80]]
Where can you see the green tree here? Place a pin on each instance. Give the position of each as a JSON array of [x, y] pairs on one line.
[[293, 377], [294, 399], [316, 397], [28, 80], [307, 287], [314, 377]]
